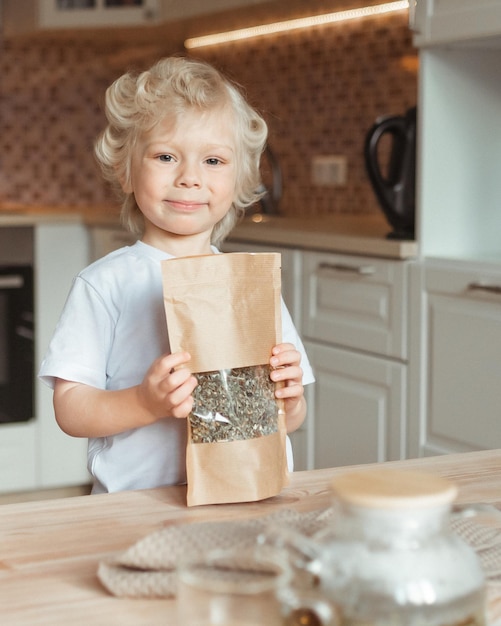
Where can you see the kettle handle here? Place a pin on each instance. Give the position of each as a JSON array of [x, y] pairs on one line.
[[396, 126]]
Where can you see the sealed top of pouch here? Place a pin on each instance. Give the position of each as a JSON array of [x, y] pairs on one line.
[[226, 307]]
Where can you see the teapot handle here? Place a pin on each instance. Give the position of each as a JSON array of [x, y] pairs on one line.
[[302, 600]]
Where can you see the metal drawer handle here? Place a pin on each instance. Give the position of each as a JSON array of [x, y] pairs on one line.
[[480, 287], [11, 281], [365, 270]]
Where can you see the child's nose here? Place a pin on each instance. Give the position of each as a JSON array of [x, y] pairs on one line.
[[189, 175]]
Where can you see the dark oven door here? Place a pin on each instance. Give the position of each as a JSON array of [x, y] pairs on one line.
[[16, 343]]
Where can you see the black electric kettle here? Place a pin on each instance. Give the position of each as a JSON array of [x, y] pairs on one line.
[[395, 189]]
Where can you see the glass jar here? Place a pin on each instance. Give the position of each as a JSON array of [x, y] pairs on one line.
[[391, 558]]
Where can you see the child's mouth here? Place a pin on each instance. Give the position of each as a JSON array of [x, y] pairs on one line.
[[185, 205]]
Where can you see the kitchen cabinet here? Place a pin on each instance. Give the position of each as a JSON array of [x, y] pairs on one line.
[[450, 21], [68, 13], [61, 251], [359, 407], [36, 454], [455, 323], [459, 142], [455, 366], [32, 15], [355, 331], [18, 457]]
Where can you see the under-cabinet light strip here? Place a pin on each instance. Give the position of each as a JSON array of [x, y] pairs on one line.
[[287, 25]]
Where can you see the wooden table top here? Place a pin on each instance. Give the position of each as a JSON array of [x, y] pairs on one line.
[[50, 550]]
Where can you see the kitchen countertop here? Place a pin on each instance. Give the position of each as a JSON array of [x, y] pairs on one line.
[[350, 234], [51, 549], [16, 214]]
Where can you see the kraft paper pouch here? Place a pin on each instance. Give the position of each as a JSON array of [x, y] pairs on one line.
[[225, 310]]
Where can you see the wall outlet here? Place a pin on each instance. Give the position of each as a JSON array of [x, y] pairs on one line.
[[329, 170]]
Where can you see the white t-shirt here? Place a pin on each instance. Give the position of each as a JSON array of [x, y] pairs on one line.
[[110, 331]]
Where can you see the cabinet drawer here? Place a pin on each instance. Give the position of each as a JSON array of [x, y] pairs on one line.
[[356, 302], [458, 280]]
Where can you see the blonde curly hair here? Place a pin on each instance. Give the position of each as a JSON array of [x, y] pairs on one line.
[[135, 103]]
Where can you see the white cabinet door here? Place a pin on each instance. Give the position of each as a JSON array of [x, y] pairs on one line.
[[358, 405], [32, 15], [61, 251], [456, 360], [446, 21], [95, 13], [25, 16], [18, 457]]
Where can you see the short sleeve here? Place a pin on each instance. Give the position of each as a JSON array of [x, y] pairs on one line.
[[81, 341]]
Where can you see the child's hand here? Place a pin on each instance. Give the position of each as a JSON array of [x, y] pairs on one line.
[[285, 361], [167, 388]]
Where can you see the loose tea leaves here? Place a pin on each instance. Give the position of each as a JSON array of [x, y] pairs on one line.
[[234, 404]]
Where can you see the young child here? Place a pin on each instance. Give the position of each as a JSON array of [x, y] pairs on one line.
[[183, 147]]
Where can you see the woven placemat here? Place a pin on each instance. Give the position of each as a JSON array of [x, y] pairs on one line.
[[148, 568]]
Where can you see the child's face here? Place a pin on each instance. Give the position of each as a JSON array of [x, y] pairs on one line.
[[183, 175]]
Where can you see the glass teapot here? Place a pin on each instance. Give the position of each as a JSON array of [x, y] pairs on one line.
[[390, 558]]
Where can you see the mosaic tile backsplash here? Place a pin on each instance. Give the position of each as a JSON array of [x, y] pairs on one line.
[[320, 91]]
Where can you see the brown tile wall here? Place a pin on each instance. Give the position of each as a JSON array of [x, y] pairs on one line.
[[320, 90]]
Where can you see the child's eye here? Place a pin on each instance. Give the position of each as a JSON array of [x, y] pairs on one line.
[[166, 158], [213, 161]]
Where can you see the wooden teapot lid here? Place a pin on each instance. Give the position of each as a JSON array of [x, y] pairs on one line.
[[393, 489]]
